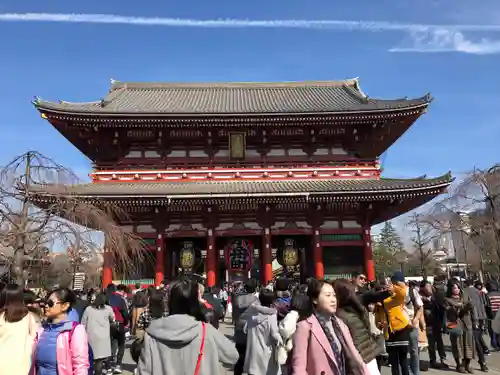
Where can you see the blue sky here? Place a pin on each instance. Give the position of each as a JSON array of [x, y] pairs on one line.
[[385, 43]]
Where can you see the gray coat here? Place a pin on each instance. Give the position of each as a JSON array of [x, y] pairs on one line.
[[478, 303], [241, 303], [97, 322], [263, 338], [172, 345]]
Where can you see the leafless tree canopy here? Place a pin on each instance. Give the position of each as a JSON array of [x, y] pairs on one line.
[[423, 236], [471, 213], [62, 220]]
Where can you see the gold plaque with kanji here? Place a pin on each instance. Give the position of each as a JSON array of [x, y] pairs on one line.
[[237, 145]]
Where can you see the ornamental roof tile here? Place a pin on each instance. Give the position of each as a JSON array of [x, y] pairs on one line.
[[177, 99], [194, 189]]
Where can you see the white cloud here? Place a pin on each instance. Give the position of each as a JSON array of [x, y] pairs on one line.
[[235, 23], [425, 38], [443, 40]]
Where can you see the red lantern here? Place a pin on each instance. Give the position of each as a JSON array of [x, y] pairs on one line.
[[239, 254]]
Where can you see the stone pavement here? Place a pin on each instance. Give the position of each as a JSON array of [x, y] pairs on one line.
[[227, 329]]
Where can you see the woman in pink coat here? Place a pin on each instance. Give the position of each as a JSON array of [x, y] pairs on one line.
[[322, 343], [62, 345]]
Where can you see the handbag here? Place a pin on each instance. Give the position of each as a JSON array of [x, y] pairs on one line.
[[202, 348], [455, 328]]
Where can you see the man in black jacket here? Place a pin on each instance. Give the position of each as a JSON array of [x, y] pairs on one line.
[[434, 311], [211, 306], [122, 318]]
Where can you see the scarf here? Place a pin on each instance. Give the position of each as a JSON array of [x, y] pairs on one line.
[[336, 345], [347, 364]]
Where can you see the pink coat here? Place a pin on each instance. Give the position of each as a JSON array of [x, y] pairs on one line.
[[72, 360], [312, 352]]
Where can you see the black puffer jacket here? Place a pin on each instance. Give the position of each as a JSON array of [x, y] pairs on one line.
[[359, 327], [210, 314]]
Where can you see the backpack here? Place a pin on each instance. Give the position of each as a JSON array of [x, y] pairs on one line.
[[118, 314], [91, 353]]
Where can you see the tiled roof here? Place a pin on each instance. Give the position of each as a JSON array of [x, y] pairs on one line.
[[194, 189], [232, 99]]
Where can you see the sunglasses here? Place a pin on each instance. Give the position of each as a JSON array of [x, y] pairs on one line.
[[362, 278], [51, 303]]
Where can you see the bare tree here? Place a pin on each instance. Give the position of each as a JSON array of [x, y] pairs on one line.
[[422, 240], [37, 211], [479, 193], [471, 214]]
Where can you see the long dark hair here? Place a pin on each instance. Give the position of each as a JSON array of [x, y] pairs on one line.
[[452, 283], [12, 303], [347, 298], [183, 299], [156, 304], [300, 303], [100, 301]]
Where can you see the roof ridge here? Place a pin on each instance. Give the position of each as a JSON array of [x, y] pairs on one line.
[[115, 85], [447, 175]]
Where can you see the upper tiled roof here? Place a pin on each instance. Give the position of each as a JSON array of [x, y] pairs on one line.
[[192, 189], [176, 99]]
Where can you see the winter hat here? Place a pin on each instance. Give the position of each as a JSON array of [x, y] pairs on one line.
[[398, 277]]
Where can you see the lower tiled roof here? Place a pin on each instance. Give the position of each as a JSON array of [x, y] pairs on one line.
[[192, 189]]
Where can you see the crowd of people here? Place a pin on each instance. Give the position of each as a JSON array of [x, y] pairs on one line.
[[344, 327]]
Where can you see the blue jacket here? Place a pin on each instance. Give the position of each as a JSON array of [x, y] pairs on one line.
[[118, 303]]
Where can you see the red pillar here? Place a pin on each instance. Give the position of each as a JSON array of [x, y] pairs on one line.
[[107, 268], [368, 255], [160, 261], [267, 258], [211, 261], [319, 271]]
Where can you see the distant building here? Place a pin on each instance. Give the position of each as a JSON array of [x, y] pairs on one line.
[[443, 247]]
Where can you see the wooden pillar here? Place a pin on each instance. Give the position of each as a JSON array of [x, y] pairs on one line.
[[160, 261], [107, 267], [319, 271], [266, 258], [368, 254], [211, 261]]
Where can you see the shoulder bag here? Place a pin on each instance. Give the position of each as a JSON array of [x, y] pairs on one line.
[[202, 347]]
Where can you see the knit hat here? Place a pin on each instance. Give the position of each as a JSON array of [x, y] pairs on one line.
[[398, 277]]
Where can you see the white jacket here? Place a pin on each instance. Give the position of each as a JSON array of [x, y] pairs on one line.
[[287, 328]]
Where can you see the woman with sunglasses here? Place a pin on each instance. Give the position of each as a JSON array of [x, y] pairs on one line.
[[62, 345]]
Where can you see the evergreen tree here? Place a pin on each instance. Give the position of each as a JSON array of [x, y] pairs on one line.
[[389, 239], [387, 246]]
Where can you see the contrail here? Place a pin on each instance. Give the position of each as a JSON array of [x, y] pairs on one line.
[[239, 23]]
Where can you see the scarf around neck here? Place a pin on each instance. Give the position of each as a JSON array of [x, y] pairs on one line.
[[345, 359]]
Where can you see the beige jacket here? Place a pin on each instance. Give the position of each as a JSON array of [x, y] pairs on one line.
[[16, 345]]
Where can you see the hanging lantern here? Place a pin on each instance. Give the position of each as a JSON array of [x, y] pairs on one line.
[[187, 256], [290, 254], [239, 255]]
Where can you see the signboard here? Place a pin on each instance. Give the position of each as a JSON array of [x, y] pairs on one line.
[[239, 255], [237, 145], [149, 241], [341, 237]]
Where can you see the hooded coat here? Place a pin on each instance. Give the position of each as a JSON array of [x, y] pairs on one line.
[[172, 345], [263, 339]]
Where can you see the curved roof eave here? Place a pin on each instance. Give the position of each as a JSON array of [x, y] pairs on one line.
[[47, 107]]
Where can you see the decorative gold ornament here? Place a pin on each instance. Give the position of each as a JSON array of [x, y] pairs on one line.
[[187, 255], [290, 254]]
